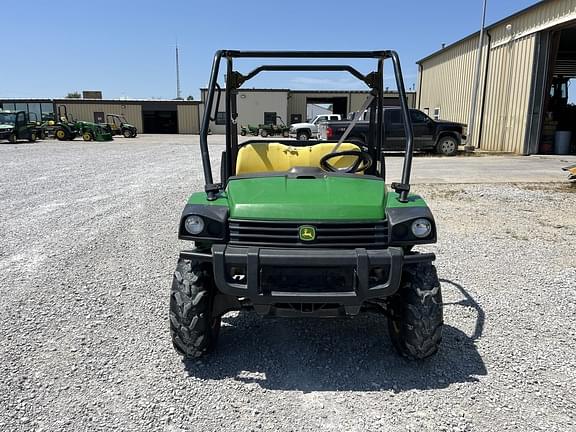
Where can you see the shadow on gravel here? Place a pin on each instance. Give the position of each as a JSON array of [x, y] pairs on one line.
[[337, 355]]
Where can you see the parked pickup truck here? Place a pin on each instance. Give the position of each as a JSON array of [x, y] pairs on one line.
[[303, 131], [429, 135]]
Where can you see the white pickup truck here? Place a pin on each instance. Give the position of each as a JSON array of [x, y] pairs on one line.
[[303, 131]]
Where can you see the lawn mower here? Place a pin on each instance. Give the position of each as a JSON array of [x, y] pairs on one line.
[[306, 228], [16, 126]]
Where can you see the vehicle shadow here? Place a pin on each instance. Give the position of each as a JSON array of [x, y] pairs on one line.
[[337, 355]]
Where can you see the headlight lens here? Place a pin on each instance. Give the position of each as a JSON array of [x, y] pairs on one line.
[[421, 228], [194, 224]]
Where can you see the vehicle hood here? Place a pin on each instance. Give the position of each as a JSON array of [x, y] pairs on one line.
[[450, 123], [301, 125], [331, 197]]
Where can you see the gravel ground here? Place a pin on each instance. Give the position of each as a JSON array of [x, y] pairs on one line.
[[87, 252]]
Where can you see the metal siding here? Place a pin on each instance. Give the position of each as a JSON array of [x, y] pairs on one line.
[[85, 111], [188, 119], [446, 77], [508, 96]]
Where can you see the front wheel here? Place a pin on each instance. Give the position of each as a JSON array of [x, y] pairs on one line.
[[263, 133], [127, 133], [87, 136], [285, 134], [447, 146], [416, 316], [193, 328], [302, 136], [13, 138], [32, 137]]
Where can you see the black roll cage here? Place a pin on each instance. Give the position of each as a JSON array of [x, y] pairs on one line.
[[234, 80]]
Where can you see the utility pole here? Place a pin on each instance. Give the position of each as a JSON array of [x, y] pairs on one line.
[[470, 147], [178, 95]]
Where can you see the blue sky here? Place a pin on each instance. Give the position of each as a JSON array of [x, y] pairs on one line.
[[52, 48]]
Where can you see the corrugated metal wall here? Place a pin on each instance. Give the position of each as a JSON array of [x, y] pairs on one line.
[[508, 96], [447, 76], [188, 119], [85, 111]]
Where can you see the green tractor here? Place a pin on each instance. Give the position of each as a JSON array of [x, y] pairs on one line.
[[119, 126], [16, 126], [306, 229], [67, 128], [38, 125], [249, 130]]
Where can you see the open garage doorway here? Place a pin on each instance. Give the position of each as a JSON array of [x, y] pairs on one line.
[[326, 105], [558, 123], [160, 119]]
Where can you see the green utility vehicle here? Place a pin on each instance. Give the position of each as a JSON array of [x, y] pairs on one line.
[[306, 229], [16, 126], [119, 126], [267, 130], [67, 128]]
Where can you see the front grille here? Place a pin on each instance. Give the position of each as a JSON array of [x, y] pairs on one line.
[[307, 279], [328, 234]]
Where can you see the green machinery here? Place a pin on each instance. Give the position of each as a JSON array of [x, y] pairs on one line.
[[273, 130], [249, 130], [67, 128], [119, 126], [16, 126], [306, 228]]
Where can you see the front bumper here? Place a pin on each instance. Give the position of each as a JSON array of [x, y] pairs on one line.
[[258, 262]]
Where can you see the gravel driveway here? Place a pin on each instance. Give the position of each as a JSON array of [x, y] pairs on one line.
[[88, 246]]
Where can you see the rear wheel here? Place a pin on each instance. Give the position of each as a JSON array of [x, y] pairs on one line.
[[263, 133], [193, 328], [303, 136], [243, 132], [32, 137], [13, 138], [416, 317], [60, 134], [447, 145], [41, 135]]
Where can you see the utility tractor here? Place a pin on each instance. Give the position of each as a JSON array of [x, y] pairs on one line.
[[67, 128], [306, 228], [16, 126]]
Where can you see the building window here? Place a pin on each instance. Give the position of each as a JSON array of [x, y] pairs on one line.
[[220, 118], [437, 113], [270, 118], [99, 117]]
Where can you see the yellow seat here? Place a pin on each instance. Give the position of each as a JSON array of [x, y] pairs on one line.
[[276, 157]]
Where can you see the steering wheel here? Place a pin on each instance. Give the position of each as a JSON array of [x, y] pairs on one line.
[[363, 161]]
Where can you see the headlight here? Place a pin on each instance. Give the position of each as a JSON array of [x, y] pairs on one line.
[[421, 228], [194, 224]]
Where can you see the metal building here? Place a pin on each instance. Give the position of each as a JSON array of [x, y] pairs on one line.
[[527, 63], [261, 106], [149, 116]]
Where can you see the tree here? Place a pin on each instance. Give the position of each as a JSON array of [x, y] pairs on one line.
[[190, 98], [73, 95]]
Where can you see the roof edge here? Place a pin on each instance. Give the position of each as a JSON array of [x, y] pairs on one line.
[[477, 33]]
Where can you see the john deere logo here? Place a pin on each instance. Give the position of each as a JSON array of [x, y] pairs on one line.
[[307, 233]]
